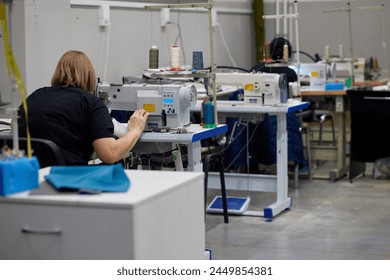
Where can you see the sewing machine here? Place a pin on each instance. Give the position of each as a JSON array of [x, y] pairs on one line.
[[343, 68], [168, 104], [314, 75], [340, 68], [259, 88]]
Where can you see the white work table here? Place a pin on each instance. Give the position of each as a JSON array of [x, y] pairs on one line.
[[230, 106], [194, 134], [151, 142], [160, 217], [260, 182], [337, 153], [222, 93]]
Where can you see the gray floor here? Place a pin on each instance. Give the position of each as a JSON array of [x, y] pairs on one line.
[[327, 221]]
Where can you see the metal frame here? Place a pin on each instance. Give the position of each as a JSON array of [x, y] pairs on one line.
[[267, 183], [213, 65]]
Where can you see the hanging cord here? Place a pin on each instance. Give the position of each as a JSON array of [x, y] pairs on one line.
[[233, 68], [107, 51], [226, 46], [305, 53], [11, 65], [181, 41], [245, 146], [259, 67], [232, 139], [151, 29]]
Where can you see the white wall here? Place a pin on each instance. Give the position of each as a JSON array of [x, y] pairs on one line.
[[318, 29], [39, 33], [17, 38], [43, 29], [133, 31]]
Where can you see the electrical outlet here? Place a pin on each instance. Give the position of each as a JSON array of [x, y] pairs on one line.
[[339, 104], [104, 15], [214, 21], [164, 17]]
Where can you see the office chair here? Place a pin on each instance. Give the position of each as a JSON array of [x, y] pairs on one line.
[[46, 151], [320, 116]]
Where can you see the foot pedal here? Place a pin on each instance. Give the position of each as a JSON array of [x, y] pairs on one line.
[[235, 205]]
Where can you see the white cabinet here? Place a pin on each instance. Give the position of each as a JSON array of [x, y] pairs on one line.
[[160, 217]]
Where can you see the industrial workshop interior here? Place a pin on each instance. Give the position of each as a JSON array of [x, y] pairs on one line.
[[265, 139]]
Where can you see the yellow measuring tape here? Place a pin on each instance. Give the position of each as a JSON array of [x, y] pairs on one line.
[[12, 66]]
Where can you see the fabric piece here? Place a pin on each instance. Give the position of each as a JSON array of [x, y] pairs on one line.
[[89, 178], [381, 168]]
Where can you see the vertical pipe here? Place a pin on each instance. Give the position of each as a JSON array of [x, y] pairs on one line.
[[290, 25], [258, 11], [285, 12], [213, 66], [350, 42], [385, 69], [298, 63], [277, 20]]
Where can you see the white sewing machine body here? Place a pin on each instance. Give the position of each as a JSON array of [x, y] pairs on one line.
[[168, 104], [315, 73], [259, 88]]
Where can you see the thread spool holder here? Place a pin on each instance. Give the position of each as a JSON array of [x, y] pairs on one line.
[[212, 74], [294, 16], [184, 74], [348, 10]]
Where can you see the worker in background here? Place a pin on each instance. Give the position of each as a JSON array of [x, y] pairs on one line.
[[265, 150], [278, 64], [68, 114]]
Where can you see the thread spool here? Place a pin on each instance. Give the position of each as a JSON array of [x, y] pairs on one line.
[[266, 52], [374, 63], [175, 58], [326, 53], [153, 57], [208, 114], [285, 52], [283, 95], [294, 89], [202, 111], [197, 60], [341, 52]]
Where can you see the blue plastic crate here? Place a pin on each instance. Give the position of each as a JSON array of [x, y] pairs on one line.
[[18, 174]]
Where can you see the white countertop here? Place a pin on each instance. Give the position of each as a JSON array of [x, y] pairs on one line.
[[144, 185]]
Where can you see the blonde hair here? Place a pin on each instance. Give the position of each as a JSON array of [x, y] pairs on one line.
[[75, 69]]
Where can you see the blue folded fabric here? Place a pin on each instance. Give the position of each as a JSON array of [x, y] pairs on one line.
[[89, 178]]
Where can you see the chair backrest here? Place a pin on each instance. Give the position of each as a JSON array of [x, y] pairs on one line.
[[46, 151]]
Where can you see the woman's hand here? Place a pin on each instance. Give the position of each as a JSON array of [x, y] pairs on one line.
[[111, 150], [137, 121]]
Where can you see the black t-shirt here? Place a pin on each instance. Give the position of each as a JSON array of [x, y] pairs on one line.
[[68, 116]]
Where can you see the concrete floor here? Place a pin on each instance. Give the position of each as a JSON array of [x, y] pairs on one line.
[[327, 221]]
